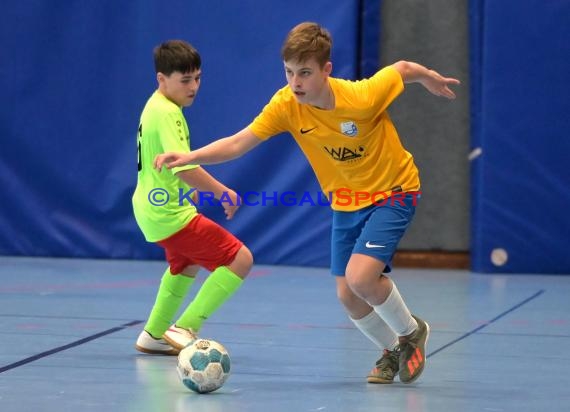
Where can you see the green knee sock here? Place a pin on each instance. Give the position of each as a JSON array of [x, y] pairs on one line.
[[171, 294], [218, 287]]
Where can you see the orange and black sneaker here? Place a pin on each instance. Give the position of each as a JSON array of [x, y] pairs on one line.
[[386, 368], [413, 353]]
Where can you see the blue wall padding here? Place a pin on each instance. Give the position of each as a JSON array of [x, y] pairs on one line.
[[75, 77], [369, 42], [520, 62]]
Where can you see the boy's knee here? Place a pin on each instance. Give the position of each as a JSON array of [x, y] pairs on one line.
[[246, 256], [344, 293], [355, 282], [361, 283], [242, 263]]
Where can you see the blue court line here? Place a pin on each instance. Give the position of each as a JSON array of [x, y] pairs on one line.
[[496, 318], [68, 346]]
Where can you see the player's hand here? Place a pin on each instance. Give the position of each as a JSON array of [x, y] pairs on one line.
[[170, 160], [439, 85], [231, 207]]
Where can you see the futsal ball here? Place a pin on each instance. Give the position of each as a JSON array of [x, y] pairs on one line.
[[203, 365], [499, 256]]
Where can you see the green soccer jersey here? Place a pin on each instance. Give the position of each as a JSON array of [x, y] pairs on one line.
[[156, 205]]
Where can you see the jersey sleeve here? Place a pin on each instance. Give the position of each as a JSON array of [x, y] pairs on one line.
[[273, 118], [383, 88]]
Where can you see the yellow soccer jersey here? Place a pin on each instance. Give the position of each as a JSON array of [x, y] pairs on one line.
[[156, 202], [354, 149]]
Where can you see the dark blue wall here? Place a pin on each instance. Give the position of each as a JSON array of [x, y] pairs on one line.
[[75, 76], [520, 57]]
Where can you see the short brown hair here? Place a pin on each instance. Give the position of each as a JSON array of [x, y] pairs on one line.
[[176, 56], [307, 40]]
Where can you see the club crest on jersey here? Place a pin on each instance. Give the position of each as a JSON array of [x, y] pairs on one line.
[[349, 128]]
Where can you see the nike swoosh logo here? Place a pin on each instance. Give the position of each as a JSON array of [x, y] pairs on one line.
[[303, 131], [371, 245]]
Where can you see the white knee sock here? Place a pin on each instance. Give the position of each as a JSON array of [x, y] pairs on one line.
[[375, 329], [396, 314]]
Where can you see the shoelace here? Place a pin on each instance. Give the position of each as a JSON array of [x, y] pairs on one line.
[[389, 358], [408, 342], [191, 334], [187, 332]]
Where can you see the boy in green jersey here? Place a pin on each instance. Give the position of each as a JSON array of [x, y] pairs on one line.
[[190, 240]]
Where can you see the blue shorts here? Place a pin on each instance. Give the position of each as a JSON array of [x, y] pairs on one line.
[[373, 231]]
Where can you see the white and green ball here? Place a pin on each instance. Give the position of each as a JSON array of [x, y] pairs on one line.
[[204, 365]]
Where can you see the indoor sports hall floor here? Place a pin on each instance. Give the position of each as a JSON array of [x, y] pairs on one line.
[[498, 343]]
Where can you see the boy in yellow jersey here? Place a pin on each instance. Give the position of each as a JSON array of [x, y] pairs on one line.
[[353, 147], [168, 218]]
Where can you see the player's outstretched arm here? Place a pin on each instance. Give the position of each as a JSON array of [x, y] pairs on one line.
[[433, 81], [219, 151]]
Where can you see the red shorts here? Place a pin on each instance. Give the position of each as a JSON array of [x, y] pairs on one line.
[[202, 242]]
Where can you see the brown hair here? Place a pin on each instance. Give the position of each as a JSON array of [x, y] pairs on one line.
[[307, 40], [176, 56]]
